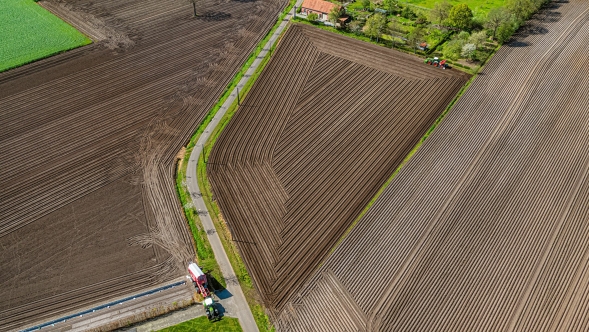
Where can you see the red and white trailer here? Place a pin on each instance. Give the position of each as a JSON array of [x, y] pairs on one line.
[[199, 279]]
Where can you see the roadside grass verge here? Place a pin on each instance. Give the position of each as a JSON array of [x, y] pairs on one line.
[[226, 324], [29, 32], [204, 252], [237, 263]]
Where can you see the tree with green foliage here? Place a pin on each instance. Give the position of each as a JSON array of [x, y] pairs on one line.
[[505, 31], [393, 27], [408, 13], [335, 13], [312, 17], [460, 16], [522, 9], [478, 38], [463, 35], [375, 26], [440, 12], [355, 27], [390, 5], [453, 48], [468, 51], [365, 4], [495, 18], [415, 37]]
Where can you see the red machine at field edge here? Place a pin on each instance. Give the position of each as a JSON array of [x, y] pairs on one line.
[[199, 279]]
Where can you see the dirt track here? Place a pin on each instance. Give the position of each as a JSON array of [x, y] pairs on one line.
[[316, 137], [88, 208], [485, 229]]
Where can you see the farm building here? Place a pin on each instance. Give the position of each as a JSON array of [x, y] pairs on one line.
[[319, 7]]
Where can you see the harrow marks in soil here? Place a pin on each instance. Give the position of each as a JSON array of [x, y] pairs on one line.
[[88, 204], [326, 123], [486, 228]]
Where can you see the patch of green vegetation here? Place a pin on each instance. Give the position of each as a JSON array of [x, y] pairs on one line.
[[479, 7], [201, 240], [226, 324], [204, 252], [28, 32]]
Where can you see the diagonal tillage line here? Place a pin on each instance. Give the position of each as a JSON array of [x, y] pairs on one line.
[[448, 207]]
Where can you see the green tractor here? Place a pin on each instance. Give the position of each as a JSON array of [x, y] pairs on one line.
[[436, 62], [210, 309]]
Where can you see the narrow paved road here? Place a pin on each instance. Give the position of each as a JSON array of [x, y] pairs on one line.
[[233, 300]]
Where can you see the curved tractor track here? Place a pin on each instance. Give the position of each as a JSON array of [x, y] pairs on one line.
[[88, 205], [326, 123], [485, 228]]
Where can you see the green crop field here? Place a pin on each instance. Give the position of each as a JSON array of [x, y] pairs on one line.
[[28, 32], [479, 7], [226, 324]]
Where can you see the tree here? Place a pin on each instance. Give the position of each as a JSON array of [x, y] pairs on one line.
[[453, 48], [522, 9], [393, 27], [366, 4], [504, 32], [390, 5], [415, 37], [408, 13], [495, 18], [463, 35], [335, 13], [468, 51], [312, 17], [440, 12], [478, 38], [460, 16], [355, 27], [375, 26]]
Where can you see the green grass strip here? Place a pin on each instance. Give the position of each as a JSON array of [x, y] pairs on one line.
[[204, 251], [202, 324], [245, 281]]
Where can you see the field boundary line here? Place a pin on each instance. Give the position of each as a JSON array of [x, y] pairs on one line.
[[243, 312]]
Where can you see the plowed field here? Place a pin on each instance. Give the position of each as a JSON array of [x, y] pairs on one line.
[[88, 205], [487, 227], [326, 123]]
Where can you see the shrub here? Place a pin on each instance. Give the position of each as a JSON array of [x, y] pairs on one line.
[[408, 13], [453, 48]]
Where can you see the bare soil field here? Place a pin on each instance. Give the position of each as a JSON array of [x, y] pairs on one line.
[[326, 123], [486, 227], [88, 205]]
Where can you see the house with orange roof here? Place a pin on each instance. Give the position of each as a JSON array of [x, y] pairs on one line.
[[319, 7]]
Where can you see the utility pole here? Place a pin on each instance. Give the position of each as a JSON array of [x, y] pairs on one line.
[[194, 7], [238, 101]]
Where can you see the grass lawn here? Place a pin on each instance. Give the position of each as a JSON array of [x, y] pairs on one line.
[[29, 32], [202, 323], [479, 7]]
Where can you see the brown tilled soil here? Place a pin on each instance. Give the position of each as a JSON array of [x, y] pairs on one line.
[[487, 227], [326, 123], [88, 139]]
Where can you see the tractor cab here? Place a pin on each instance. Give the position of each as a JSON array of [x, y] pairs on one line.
[[210, 309]]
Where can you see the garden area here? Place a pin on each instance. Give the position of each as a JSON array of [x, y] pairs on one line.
[[465, 33], [29, 32]]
